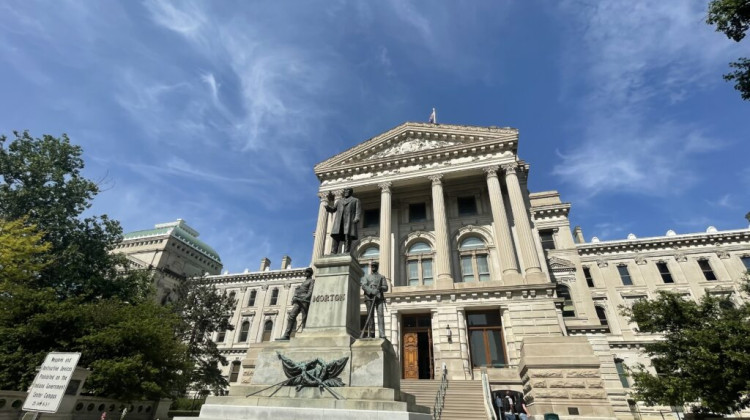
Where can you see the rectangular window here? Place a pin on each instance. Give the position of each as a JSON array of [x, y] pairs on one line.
[[707, 271], [486, 339], [234, 373], [251, 300], [371, 218], [548, 241], [467, 206], [483, 268], [625, 275], [417, 212], [467, 271], [620, 366], [746, 262], [666, 276], [413, 273], [587, 274], [427, 272]]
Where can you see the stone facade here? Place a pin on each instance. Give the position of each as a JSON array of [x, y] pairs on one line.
[[486, 275]]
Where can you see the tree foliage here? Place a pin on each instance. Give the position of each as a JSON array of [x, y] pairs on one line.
[[732, 17], [61, 288], [203, 312], [704, 357]]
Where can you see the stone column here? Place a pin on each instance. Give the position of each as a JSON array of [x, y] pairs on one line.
[[503, 237], [463, 341], [442, 246], [385, 229], [320, 228], [533, 269]]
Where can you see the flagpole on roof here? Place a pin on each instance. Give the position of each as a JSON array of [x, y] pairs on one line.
[[433, 117]]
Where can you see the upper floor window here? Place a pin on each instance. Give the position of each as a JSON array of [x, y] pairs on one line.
[[467, 206], [548, 240], [473, 255], [705, 266], [243, 331], [568, 309], [601, 313], [746, 262], [371, 218], [367, 257], [251, 299], [221, 335], [620, 366], [274, 296], [267, 330], [417, 212], [234, 372], [419, 264], [666, 276], [587, 274], [624, 275]]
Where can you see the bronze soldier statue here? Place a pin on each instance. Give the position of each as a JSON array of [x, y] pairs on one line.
[[301, 303], [347, 214], [374, 285]]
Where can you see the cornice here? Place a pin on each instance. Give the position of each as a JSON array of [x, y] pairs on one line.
[[507, 292], [662, 242], [544, 211], [258, 276]]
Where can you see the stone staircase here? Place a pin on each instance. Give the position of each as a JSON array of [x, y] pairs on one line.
[[463, 399]]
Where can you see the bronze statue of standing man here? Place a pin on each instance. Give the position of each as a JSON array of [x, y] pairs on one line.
[[301, 303], [347, 212], [374, 285]]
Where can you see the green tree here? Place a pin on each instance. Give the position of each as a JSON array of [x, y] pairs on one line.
[[63, 289], [704, 357], [732, 17], [203, 312]]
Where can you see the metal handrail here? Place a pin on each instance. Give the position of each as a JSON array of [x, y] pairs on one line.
[[437, 409], [487, 394]]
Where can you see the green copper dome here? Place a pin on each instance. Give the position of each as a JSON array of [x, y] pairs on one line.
[[179, 230]]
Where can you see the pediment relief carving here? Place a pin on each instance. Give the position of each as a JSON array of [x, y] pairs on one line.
[[560, 264], [410, 146]]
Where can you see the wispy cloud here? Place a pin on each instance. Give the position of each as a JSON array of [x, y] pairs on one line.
[[638, 60]]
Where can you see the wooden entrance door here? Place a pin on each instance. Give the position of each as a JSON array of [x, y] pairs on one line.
[[411, 356]]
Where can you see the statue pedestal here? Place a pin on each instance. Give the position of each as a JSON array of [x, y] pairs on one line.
[[372, 376]]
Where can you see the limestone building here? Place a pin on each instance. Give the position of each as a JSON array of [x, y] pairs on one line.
[[173, 252], [487, 276]]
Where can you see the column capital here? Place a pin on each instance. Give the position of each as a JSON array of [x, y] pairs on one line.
[[491, 171], [510, 168], [385, 186], [338, 193], [436, 179], [323, 196]]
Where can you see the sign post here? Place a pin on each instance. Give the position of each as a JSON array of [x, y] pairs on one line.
[[49, 386]]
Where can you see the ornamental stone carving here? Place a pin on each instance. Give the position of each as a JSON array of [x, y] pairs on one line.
[[680, 257], [640, 260], [510, 168], [385, 186], [411, 146], [601, 263], [436, 179], [491, 171]]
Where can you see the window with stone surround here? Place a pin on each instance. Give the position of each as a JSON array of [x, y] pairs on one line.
[[473, 257], [601, 313], [548, 239], [417, 212], [267, 330], [368, 256], [666, 276], [568, 309], [234, 372], [232, 296], [275, 296], [221, 335], [419, 259], [624, 275], [621, 372], [587, 275], [251, 299], [486, 338], [371, 218], [243, 332], [705, 266], [467, 206]]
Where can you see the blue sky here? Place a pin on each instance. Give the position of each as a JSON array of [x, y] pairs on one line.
[[216, 112]]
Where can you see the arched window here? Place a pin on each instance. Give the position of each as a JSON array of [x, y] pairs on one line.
[[568, 309], [267, 329], [368, 256], [274, 296], [243, 331], [473, 255], [251, 300], [601, 313], [419, 264], [234, 373]]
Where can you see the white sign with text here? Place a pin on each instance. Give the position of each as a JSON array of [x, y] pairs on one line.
[[47, 390]]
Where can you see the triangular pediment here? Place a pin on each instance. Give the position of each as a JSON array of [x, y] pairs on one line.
[[413, 139], [559, 264]]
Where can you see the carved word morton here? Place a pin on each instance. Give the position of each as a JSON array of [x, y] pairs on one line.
[[330, 298]]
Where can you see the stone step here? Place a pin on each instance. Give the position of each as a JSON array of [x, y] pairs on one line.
[[463, 399]]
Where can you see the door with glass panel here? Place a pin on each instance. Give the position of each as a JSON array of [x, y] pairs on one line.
[[486, 339]]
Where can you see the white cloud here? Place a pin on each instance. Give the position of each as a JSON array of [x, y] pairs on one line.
[[637, 59]]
